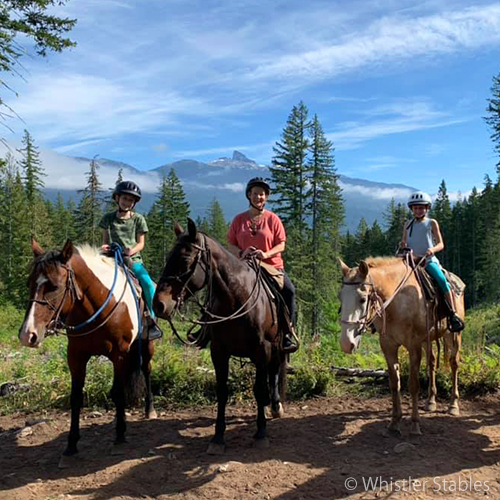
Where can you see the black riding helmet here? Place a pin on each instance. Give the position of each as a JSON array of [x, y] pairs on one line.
[[128, 187], [257, 181]]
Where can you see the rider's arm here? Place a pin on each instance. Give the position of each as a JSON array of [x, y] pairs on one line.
[[280, 247], [404, 238], [141, 240], [438, 239]]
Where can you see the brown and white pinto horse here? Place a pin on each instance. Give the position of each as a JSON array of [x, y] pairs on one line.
[[249, 330], [70, 286], [364, 291]]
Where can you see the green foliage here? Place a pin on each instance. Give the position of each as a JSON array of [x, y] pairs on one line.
[[493, 116], [170, 206]]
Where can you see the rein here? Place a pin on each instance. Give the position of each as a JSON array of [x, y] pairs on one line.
[[376, 302], [203, 257]]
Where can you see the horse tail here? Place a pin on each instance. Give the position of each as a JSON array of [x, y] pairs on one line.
[[135, 384], [282, 380]]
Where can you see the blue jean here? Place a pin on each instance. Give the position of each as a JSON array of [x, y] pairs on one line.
[[434, 269], [148, 287]]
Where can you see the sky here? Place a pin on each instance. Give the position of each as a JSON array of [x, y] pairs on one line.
[[399, 86]]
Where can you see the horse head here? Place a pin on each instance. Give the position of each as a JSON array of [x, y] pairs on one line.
[[185, 271], [51, 292], [354, 299]]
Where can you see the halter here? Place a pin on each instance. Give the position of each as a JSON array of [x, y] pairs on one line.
[[204, 258]]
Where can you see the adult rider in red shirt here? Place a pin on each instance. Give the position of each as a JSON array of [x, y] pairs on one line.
[[260, 233]]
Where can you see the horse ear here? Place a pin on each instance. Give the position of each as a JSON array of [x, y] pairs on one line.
[[192, 231], [37, 249], [67, 251], [345, 268], [178, 229], [363, 269]]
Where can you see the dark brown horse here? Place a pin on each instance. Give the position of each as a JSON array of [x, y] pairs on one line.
[[242, 320], [68, 287]]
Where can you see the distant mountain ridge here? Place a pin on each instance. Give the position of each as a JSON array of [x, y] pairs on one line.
[[225, 179]]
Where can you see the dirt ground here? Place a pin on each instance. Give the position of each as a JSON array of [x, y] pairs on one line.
[[322, 449]]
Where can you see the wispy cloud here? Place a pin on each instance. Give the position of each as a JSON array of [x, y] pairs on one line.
[[379, 194]]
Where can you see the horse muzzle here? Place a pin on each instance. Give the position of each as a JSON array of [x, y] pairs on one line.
[[349, 341], [163, 303], [30, 337]]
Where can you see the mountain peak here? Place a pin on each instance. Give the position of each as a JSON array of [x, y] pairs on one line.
[[237, 156]]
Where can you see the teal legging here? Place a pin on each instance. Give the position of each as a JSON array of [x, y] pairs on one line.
[[147, 284], [434, 269]]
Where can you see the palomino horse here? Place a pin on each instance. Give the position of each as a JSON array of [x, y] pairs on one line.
[[378, 286], [67, 288], [240, 319]]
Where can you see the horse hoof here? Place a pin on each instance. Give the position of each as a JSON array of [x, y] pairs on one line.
[[430, 406], [415, 430], [152, 415], [454, 411], [216, 449], [67, 461], [392, 431], [279, 412], [261, 444]]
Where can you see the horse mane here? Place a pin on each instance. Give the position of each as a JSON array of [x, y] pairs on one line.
[[93, 256], [382, 261]]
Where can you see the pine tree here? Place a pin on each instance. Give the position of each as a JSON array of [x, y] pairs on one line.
[[441, 211], [170, 206], [217, 225], [63, 222], [493, 117], [89, 212], [36, 208], [14, 233], [324, 203], [395, 218], [111, 204]]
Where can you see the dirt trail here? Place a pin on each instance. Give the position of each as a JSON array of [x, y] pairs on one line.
[[317, 451]]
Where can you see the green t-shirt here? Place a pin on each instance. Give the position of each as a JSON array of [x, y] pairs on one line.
[[125, 231]]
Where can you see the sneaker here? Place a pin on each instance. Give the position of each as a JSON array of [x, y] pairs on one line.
[[154, 331], [455, 323]]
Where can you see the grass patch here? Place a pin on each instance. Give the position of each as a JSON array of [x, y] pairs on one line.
[[184, 376]]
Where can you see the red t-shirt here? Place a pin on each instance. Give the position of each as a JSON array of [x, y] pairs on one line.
[[268, 233]]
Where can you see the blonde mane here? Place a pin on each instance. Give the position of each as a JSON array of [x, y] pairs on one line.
[[93, 257], [382, 261]]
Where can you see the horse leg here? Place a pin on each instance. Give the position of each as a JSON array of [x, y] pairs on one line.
[[454, 341], [221, 365], [390, 350], [274, 386], [77, 362], [414, 386], [430, 404], [261, 393], [118, 397], [148, 351]]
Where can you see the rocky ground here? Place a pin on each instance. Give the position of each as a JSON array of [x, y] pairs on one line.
[[322, 449]]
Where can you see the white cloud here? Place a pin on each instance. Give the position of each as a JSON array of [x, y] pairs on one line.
[[379, 194]]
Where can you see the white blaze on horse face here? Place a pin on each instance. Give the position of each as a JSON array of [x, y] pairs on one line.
[[352, 313], [29, 326]]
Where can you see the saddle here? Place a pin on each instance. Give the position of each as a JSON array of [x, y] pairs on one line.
[[431, 290], [274, 280]]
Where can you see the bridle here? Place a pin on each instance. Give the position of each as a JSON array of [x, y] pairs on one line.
[[57, 325], [204, 258], [375, 302]]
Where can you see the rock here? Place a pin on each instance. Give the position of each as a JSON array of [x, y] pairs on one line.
[[27, 431], [403, 447]]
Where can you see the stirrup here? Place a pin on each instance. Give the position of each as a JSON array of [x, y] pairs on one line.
[[154, 331], [288, 346]]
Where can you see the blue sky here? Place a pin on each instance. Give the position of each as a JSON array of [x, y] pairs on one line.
[[399, 86]]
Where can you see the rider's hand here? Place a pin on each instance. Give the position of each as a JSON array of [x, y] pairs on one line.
[[429, 253], [259, 254], [126, 251], [105, 248]]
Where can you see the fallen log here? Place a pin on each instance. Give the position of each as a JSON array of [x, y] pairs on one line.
[[358, 372]]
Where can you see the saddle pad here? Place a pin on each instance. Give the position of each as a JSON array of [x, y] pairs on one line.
[[276, 274]]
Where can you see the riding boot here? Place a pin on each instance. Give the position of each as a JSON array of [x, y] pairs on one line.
[[288, 344], [455, 323], [154, 331]]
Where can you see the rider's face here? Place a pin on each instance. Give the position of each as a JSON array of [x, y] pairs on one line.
[[419, 211], [258, 197], [126, 202]]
